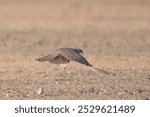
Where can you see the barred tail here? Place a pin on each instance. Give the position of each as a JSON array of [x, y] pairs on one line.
[[42, 59]]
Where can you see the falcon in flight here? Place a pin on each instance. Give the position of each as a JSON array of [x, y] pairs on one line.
[[65, 55]]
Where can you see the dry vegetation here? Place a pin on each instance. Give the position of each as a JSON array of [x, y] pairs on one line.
[[115, 36]]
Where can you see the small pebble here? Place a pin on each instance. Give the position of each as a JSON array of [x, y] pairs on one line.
[[39, 91], [7, 95]]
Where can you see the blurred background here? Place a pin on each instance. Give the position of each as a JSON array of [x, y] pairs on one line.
[[102, 27]]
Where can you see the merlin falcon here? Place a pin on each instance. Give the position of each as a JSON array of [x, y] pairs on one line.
[[65, 55]]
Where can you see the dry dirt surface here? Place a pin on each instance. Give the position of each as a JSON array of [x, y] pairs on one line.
[[115, 36]]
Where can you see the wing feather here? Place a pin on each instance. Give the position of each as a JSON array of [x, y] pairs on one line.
[[74, 56]]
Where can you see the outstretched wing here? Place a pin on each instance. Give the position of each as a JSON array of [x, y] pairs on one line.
[[74, 56]]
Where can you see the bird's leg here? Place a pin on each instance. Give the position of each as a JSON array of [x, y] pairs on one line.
[[63, 66]]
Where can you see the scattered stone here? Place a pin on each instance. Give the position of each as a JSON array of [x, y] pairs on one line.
[[67, 83], [140, 90], [147, 98], [100, 93], [7, 95], [121, 93], [39, 91], [129, 92]]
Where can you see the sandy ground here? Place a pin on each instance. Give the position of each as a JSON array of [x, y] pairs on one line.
[[114, 35]]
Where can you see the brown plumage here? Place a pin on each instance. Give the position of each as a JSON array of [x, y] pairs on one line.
[[65, 55]]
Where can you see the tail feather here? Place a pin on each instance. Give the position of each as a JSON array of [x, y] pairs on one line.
[[42, 59]]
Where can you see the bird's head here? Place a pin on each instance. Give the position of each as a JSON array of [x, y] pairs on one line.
[[79, 50]]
